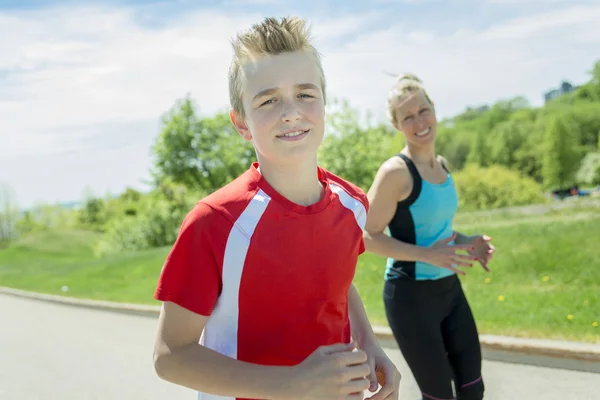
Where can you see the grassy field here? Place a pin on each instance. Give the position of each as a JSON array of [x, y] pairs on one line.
[[545, 279]]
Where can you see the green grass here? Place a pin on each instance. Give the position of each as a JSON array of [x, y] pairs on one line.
[[566, 253], [47, 261], [559, 244]]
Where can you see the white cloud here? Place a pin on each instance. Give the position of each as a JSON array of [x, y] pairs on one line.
[[327, 29], [90, 66], [581, 18], [544, 2], [405, 1], [246, 3], [73, 80], [524, 56]]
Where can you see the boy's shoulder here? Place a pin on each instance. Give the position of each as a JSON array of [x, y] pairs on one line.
[[227, 202], [350, 188], [231, 199], [350, 195]]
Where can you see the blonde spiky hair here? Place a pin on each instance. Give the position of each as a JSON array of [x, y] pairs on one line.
[[271, 37]]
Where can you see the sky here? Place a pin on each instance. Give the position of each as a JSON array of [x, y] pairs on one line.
[[83, 84]]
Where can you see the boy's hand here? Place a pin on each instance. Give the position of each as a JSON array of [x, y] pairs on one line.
[[383, 373], [330, 372], [482, 250]]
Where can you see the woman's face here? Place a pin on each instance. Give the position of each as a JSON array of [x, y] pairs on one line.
[[416, 118]]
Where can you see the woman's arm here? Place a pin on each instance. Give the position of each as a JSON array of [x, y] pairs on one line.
[[393, 183]]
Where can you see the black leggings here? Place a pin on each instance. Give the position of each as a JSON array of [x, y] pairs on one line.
[[435, 330]]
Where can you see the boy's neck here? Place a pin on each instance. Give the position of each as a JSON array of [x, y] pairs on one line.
[[299, 183]]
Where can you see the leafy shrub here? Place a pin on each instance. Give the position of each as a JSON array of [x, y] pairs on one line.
[[495, 187], [588, 173], [155, 223]]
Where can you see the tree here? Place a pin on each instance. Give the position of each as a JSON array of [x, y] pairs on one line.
[[502, 111], [53, 216], [454, 143], [528, 160], [561, 156], [596, 179], [27, 223], [479, 153], [590, 91], [525, 114], [467, 138], [355, 150], [588, 171], [586, 115], [9, 214], [155, 223], [595, 72], [201, 153], [506, 139], [93, 213]]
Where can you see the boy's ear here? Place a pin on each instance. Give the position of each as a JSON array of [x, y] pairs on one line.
[[240, 125]]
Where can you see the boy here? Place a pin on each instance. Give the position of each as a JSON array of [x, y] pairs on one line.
[[257, 290]]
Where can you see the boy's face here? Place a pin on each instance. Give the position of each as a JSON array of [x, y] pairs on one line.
[[283, 102]]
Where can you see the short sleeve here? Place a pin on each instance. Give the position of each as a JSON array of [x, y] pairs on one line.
[[191, 274], [365, 202]]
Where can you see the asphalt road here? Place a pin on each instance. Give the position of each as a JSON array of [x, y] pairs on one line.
[[56, 352]]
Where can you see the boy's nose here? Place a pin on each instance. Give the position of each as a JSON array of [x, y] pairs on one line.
[[290, 112]]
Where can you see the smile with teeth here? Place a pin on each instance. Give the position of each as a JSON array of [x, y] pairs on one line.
[[293, 134], [425, 132]]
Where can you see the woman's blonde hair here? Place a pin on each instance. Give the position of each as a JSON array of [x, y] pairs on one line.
[[405, 84]]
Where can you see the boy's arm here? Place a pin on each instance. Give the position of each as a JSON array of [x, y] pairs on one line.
[[188, 288], [362, 332], [383, 370], [180, 359], [330, 372]]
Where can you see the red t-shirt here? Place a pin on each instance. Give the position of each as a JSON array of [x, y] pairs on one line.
[[273, 276]]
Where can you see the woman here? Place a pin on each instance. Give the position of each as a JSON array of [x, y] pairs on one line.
[[413, 195]]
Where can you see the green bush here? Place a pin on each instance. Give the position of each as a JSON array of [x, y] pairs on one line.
[[92, 214], [596, 178], [354, 151], [44, 217], [589, 170], [155, 222], [495, 187]]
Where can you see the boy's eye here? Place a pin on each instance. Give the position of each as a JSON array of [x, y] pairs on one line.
[[424, 110], [305, 95], [267, 102], [408, 117]]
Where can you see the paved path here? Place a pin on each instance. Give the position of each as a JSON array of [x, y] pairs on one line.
[[55, 352]]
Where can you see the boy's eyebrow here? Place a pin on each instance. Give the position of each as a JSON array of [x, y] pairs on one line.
[[271, 91], [266, 92], [303, 86]]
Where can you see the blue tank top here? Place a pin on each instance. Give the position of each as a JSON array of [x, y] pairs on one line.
[[423, 218]]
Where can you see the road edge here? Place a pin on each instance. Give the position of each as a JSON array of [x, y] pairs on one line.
[[561, 354]]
